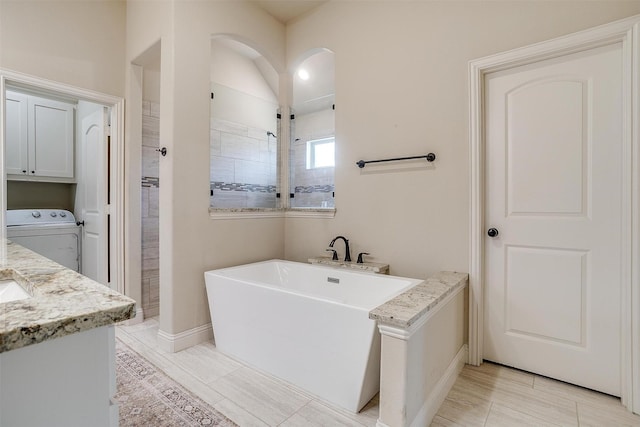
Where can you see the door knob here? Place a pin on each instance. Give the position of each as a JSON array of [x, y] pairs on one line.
[[492, 232]]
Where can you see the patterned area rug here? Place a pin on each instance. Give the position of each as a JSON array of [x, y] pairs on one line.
[[148, 397]]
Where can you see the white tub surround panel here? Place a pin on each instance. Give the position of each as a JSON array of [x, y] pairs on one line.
[[306, 324], [423, 348], [63, 302], [372, 267]]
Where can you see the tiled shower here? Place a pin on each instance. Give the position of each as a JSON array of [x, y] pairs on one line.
[[244, 150], [312, 187], [149, 209]]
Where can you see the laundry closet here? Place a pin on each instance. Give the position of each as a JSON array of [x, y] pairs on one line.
[[56, 166]]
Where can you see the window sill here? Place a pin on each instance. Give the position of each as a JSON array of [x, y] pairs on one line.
[[255, 213], [310, 213], [245, 213]]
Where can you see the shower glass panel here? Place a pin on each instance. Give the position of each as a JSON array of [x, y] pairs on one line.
[[244, 150], [312, 148]]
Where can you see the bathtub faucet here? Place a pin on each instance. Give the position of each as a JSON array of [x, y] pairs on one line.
[[347, 256]]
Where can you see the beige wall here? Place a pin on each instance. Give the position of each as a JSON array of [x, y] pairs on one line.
[[401, 90], [81, 43], [190, 241], [40, 195]]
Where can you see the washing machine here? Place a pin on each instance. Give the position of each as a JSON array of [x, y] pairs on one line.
[[52, 233]]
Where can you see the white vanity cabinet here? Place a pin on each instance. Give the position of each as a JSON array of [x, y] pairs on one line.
[[39, 138], [66, 382]]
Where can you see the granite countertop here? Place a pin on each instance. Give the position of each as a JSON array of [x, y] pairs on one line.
[[405, 309], [63, 301], [374, 267]]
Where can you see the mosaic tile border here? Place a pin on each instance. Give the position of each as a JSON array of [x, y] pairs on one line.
[[150, 181], [236, 186], [315, 189]]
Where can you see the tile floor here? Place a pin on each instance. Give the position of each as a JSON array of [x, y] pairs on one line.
[[489, 395], [244, 395]]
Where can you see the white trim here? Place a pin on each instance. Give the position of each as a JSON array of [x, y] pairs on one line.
[[436, 397], [245, 213], [173, 343], [117, 143], [310, 213], [405, 334], [257, 213], [633, 333], [626, 32]]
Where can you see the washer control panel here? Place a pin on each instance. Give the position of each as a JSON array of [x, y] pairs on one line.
[[17, 217]]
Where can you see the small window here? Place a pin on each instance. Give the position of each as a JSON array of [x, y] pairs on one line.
[[321, 153]]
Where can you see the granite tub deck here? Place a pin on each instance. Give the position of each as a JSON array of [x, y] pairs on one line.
[[372, 267], [63, 301], [423, 348], [408, 307]]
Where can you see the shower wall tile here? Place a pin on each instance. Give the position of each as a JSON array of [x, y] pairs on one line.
[[150, 209], [155, 109], [259, 134], [150, 131], [153, 202], [150, 162], [243, 165], [243, 199], [215, 143], [249, 172], [150, 264], [222, 169], [144, 202], [239, 147], [226, 126], [146, 109], [150, 232]]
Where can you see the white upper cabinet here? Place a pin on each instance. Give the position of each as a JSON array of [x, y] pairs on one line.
[[39, 138], [16, 158]]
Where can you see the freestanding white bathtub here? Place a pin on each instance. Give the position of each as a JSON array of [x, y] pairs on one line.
[[306, 324]]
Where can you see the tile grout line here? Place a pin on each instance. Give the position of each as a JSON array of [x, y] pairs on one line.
[[488, 413], [175, 365]]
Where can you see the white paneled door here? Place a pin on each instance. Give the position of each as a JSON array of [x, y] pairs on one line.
[[93, 188], [554, 139]]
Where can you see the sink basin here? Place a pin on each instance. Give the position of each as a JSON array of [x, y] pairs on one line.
[[10, 290]]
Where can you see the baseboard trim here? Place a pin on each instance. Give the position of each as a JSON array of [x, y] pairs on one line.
[[173, 343], [441, 390]]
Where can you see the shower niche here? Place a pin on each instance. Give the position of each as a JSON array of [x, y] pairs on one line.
[[313, 144], [243, 127]]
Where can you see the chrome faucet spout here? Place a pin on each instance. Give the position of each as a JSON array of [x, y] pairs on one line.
[[347, 256]]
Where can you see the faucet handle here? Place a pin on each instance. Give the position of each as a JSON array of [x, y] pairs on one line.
[[360, 261], [335, 253]]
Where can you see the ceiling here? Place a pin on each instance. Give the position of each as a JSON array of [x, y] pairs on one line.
[[287, 10]]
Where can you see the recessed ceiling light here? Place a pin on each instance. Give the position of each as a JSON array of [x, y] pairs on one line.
[[303, 74]]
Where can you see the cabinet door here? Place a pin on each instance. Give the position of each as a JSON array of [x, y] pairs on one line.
[[16, 134], [50, 138]]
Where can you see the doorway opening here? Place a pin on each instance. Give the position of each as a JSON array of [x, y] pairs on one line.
[[146, 124], [64, 156]]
